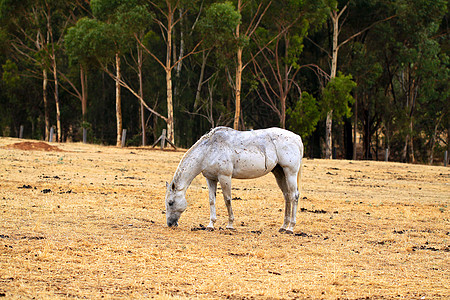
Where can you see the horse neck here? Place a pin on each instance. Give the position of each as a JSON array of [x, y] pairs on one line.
[[190, 166]]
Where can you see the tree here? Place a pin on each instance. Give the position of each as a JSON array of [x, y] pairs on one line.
[[416, 74], [106, 39], [280, 45], [77, 48], [167, 23], [400, 67], [303, 117], [370, 94], [242, 38], [217, 30], [335, 16], [36, 28], [337, 97], [94, 38]]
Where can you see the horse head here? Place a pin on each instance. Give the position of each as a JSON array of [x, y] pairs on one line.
[[175, 204]]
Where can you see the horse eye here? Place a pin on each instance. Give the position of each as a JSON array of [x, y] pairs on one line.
[[171, 203]]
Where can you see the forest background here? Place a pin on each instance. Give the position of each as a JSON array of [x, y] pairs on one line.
[[353, 78]]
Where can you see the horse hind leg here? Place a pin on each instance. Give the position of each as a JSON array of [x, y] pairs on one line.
[[293, 195], [225, 183], [281, 180]]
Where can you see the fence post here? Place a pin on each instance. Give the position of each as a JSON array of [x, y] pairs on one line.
[[84, 135], [386, 154], [50, 138], [446, 158], [124, 137], [21, 132], [163, 139]]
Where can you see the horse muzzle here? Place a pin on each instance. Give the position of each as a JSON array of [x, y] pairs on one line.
[[172, 222]]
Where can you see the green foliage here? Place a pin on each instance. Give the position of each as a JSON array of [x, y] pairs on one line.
[[10, 75], [100, 39], [303, 117], [387, 61], [104, 10], [89, 39], [130, 15], [219, 24], [336, 96]]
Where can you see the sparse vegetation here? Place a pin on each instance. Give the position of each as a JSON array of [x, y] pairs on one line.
[[94, 226]]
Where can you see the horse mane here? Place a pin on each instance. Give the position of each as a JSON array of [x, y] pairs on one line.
[[204, 138]]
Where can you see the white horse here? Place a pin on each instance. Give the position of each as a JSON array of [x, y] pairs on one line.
[[225, 153]]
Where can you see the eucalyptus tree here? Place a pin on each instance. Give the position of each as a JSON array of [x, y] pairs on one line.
[[338, 14], [166, 18], [217, 28], [279, 46], [106, 38], [418, 72], [77, 47], [252, 12], [36, 29]]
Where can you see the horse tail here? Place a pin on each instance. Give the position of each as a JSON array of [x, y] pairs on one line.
[[299, 178], [299, 174]]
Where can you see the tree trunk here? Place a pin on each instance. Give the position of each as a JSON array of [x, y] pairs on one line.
[[411, 140], [328, 141], [376, 144], [168, 69], [283, 112], [433, 139], [367, 139], [118, 103], [334, 57], [170, 125], [238, 83], [141, 93], [405, 149], [83, 78], [45, 97], [200, 80], [348, 138], [180, 56], [237, 111], [58, 109], [355, 127]]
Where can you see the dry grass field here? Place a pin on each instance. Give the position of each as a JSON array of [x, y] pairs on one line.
[[87, 221]]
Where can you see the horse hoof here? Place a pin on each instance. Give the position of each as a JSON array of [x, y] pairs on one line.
[[209, 228], [230, 228], [288, 231], [282, 230]]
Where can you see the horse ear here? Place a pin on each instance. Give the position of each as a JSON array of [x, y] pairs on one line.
[[167, 184]]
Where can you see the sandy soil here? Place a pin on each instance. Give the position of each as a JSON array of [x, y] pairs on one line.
[[87, 221]]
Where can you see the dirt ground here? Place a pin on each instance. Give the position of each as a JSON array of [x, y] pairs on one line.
[[87, 221]]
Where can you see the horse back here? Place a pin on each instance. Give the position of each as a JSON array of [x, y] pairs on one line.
[[254, 153]]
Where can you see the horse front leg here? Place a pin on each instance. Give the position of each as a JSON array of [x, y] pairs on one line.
[[225, 183], [212, 187]]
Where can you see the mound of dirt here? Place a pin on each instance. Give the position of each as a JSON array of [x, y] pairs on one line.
[[33, 146]]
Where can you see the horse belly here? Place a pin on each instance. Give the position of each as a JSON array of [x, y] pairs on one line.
[[249, 165]]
